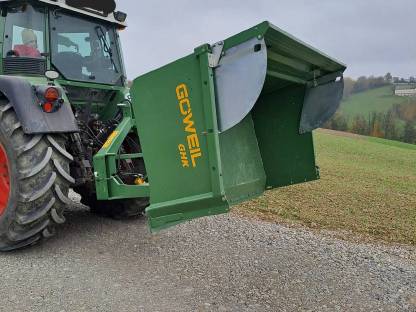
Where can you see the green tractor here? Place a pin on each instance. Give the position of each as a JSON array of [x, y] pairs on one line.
[[191, 139]]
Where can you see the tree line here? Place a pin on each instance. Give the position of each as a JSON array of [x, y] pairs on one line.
[[380, 125], [364, 83], [398, 123]]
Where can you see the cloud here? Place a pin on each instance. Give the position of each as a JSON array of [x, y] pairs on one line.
[[372, 37]]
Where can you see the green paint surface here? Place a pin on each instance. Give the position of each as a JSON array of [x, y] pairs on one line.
[[264, 150]]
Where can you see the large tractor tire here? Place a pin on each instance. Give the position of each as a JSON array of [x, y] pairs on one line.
[[34, 183]]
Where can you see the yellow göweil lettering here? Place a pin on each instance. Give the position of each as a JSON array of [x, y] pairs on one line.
[[192, 145]]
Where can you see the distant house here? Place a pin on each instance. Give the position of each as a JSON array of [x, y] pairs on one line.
[[405, 89]]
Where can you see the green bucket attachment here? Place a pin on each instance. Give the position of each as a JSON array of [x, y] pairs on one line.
[[232, 120]]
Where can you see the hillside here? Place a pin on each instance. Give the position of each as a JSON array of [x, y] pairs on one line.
[[368, 186], [375, 100]]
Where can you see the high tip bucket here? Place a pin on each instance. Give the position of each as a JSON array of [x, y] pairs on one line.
[[231, 120]]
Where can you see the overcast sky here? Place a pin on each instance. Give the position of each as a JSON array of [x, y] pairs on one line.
[[371, 36]]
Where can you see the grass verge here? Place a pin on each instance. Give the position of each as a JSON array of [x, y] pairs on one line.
[[368, 186]]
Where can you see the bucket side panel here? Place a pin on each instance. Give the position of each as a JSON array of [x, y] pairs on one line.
[[243, 172], [169, 110], [288, 156]]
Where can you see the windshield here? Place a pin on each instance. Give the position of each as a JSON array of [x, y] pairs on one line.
[[84, 50]]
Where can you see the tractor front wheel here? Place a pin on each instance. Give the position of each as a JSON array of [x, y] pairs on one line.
[[34, 182]]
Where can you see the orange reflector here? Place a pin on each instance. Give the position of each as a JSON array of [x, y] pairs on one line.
[[51, 95], [47, 107], [139, 181]]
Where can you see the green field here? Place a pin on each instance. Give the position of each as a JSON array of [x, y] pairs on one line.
[[375, 100], [368, 187]]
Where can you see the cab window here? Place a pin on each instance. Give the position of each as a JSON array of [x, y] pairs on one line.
[[24, 32], [85, 49]]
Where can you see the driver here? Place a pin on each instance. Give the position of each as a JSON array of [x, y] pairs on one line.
[[29, 48], [97, 52], [98, 58]]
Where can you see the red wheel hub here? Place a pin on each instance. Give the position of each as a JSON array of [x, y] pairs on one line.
[[4, 180]]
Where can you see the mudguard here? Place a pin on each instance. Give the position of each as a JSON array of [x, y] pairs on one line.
[[22, 97]]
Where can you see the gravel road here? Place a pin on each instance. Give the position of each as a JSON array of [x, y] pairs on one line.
[[216, 264]]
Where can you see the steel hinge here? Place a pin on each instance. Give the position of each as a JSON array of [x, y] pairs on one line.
[[215, 57]]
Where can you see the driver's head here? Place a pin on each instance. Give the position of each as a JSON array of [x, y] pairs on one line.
[[29, 38], [95, 46]]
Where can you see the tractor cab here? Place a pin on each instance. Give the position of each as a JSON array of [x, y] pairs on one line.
[[79, 43]]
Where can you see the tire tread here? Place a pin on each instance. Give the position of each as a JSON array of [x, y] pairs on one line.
[[43, 179]]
